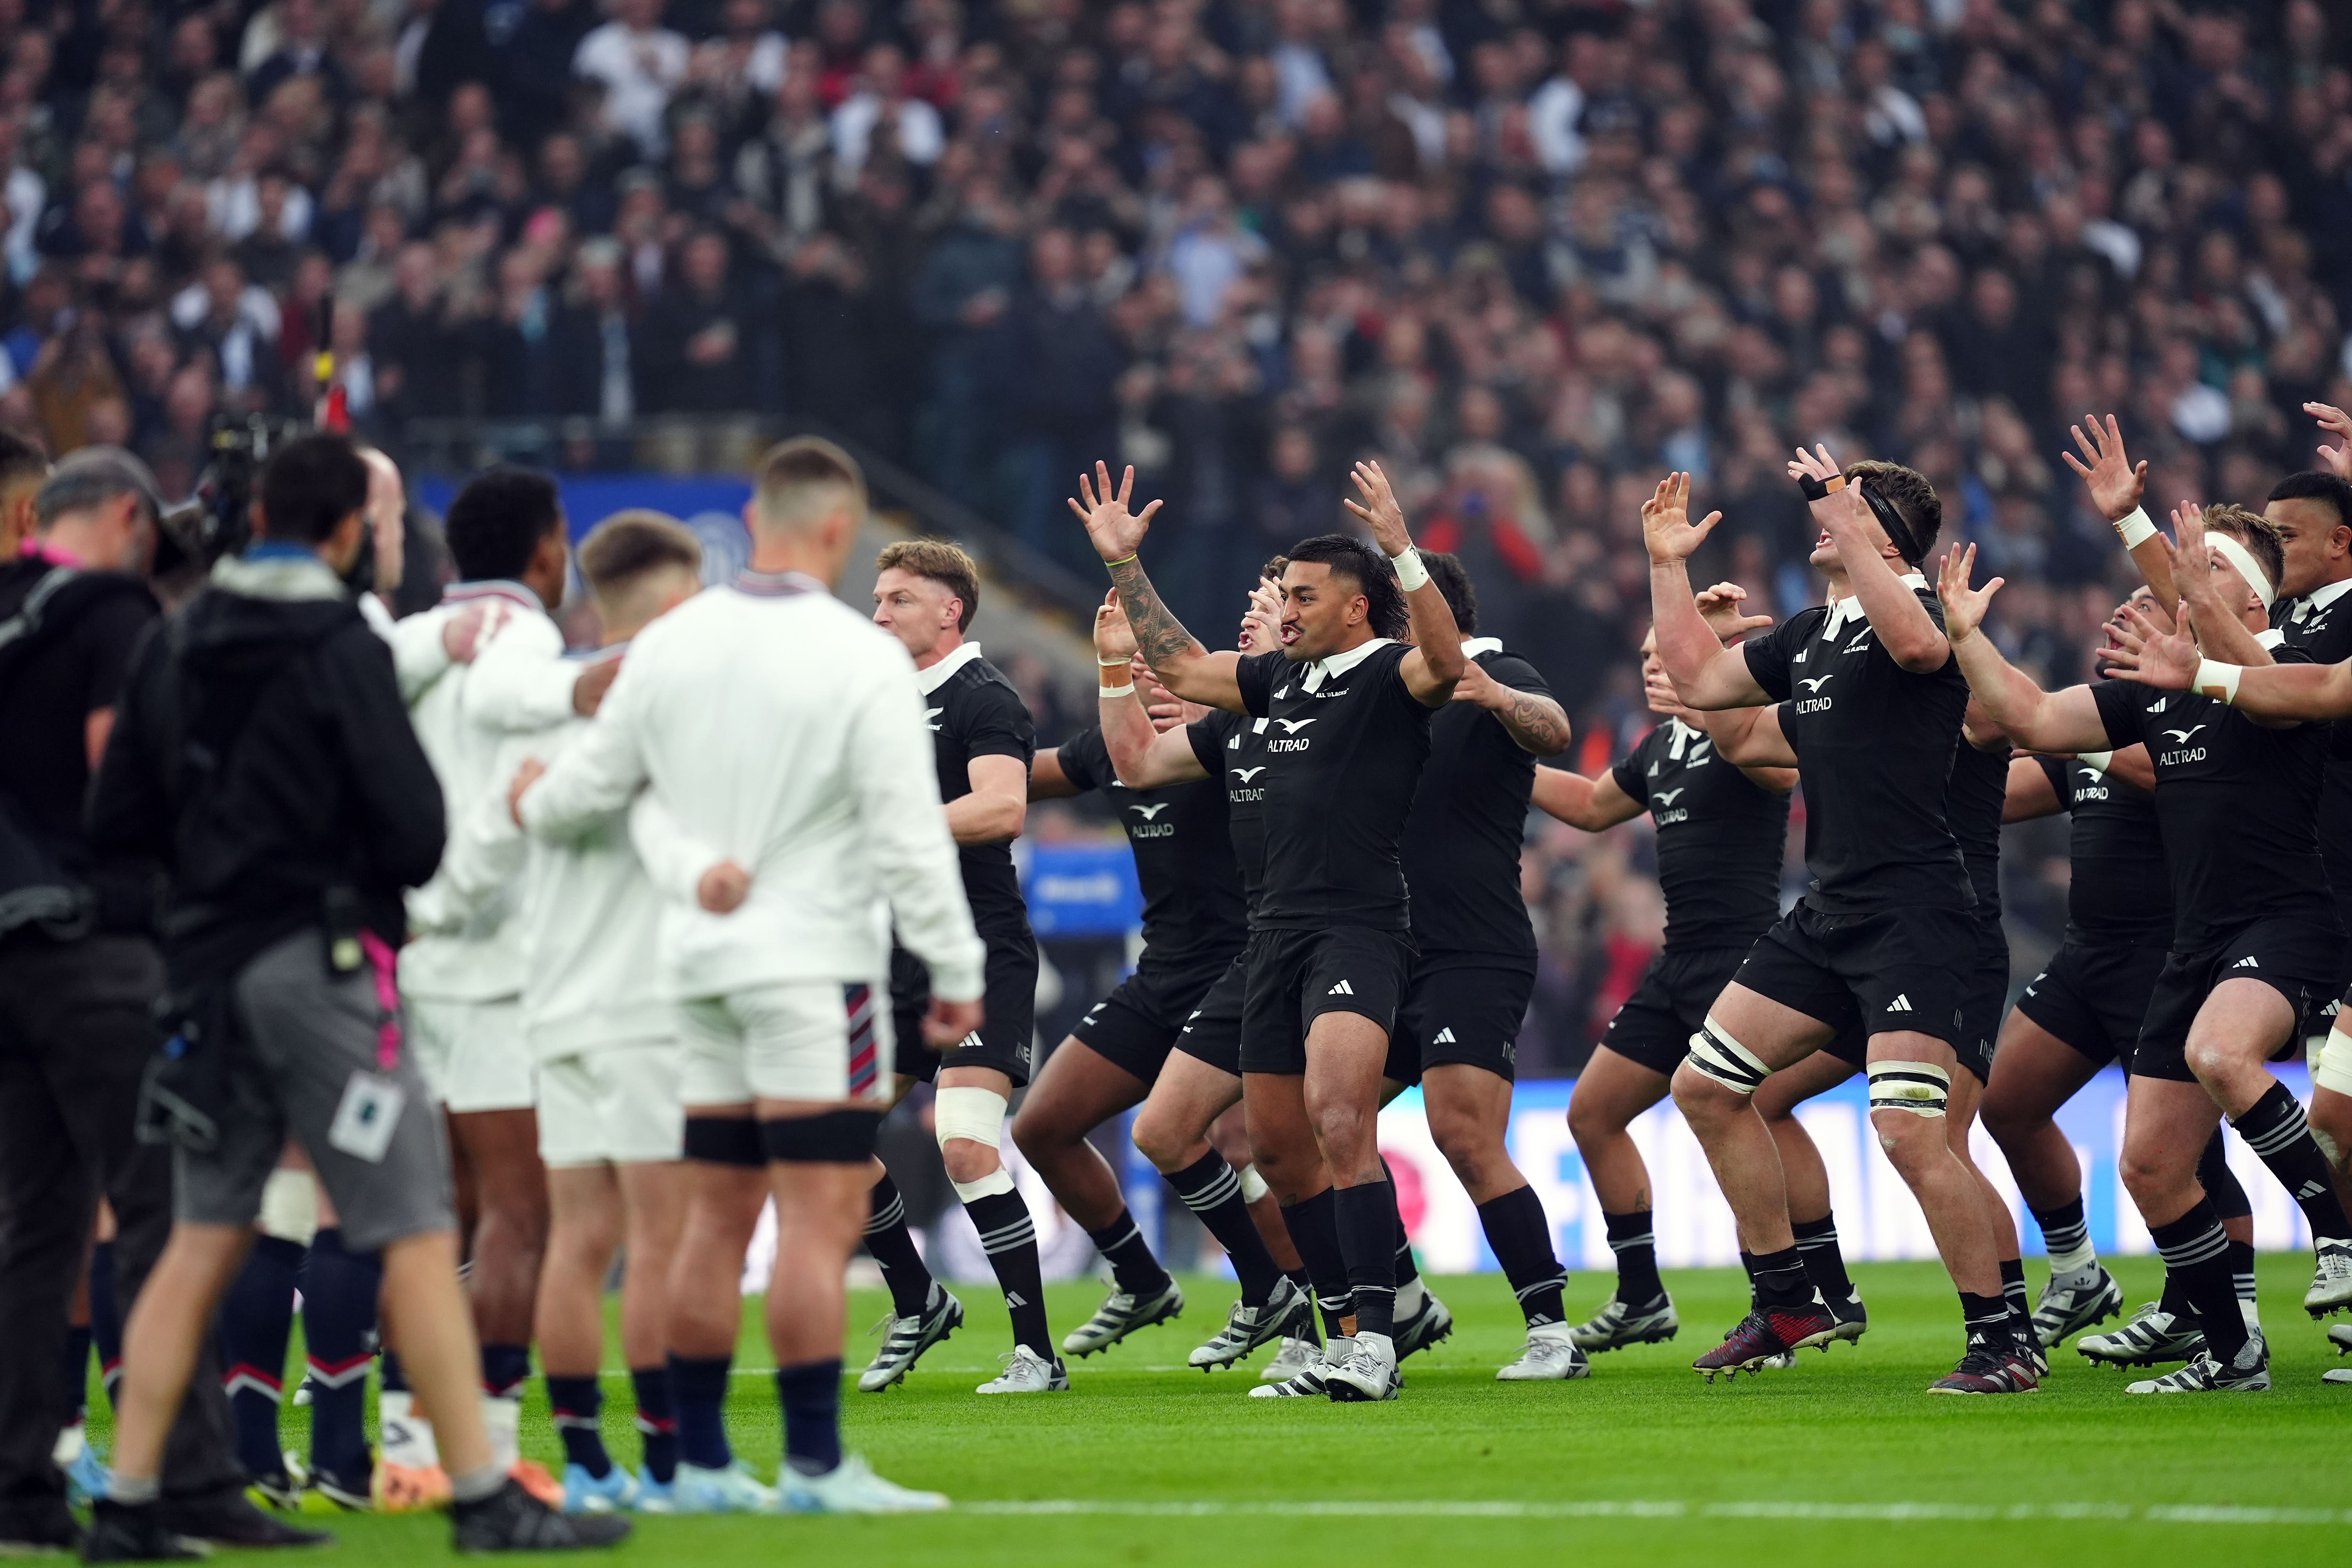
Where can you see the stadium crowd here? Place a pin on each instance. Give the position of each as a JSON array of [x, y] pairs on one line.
[[1529, 254]]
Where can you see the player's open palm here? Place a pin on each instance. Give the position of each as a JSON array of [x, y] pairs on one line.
[[1117, 533], [2151, 654], [1380, 511], [1666, 527], [1964, 607], [2334, 421], [1719, 607], [1114, 638], [2113, 480]]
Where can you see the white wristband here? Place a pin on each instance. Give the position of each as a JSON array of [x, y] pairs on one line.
[[1411, 574], [2216, 681], [2135, 530], [2095, 761], [1113, 693]]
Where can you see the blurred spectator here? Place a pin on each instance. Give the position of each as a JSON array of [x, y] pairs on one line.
[[637, 63], [698, 353]]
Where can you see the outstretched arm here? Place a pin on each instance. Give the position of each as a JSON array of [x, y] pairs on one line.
[[1175, 654], [2219, 633], [1141, 757], [1905, 628], [2115, 483], [1437, 661], [2036, 720], [2028, 795], [2275, 695], [1706, 674], [1591, 805], [1532, 719], [1752, 740]]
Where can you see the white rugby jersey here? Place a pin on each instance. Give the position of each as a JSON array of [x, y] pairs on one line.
[[782, 731]]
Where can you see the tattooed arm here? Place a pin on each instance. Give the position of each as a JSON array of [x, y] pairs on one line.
[[1532, 718], [1175, 654]]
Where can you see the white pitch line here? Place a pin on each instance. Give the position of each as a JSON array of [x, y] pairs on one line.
[[1890, 1512]]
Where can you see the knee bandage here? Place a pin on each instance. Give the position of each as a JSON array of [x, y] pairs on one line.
[[1919, 1088], [976, 1114], [1253, 1185], [2331, 1069], [289, 1206], [1717, 1055]]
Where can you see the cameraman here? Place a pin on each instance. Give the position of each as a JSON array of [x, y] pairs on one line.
[[264, 755], [78, 973]]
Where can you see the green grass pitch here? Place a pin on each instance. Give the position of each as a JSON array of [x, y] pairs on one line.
[[1843, 1459]]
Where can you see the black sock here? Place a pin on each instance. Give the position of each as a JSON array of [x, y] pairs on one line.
[[2219, 1182], [2013, 1290], [2240, 1255], [505, 1369], [76, 1369], [340, 1289], [393, 1375], [2064, 1229], [1010, 1237], [1314, 1228], [657, 1421], [1132, 1267], [2174, 1298], [1817, 1243], [2275, 1129], [1748, 1266], [1210, 1189], [1635, 1243], [2197, 1253], [1520, 1234], [811, 1395], [105, 1318], [892, 1247], [255, 1318], [1780, 1280], [1984, 1318], [1366, 1219], [700, 1385], [576, 1402], [1406, 1269]]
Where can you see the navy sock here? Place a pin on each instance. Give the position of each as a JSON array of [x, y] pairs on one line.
[[1132, 1267], [657, 1421], [811, 1395], [2219, 1182], [505, 1369], [1747, 1265], [576, 1403], [1520, 1234], [1367, 1222], [394, 1379], [1635, 1243], [340, 1288], [105, 1317], [1210, 1190], [1314, 1230], [2064, 1229], [2241, 1268], [75, 1369], [699, 1384], [1009, 1236], [1984, 1318], [892, 1247], [1817, 1244], [256, 1317]]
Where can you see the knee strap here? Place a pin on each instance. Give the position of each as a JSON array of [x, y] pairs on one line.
[[1253, 1185], [1919, 1088], [1715, 1054], [976, 1114], [724, 1141], [2334, 1067]]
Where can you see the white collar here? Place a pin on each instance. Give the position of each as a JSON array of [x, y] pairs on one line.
[[1850, 607], [2320, 598], [931, 680], [2273, 637], [1473, 647], [1679, 735], [493, 588], [1341, 663]]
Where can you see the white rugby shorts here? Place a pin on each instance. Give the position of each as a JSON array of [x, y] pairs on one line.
[[615, 1105], [473, 1053], [815, 1040]]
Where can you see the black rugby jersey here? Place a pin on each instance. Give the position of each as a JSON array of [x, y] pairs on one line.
[[1344, 752], [2118, 893], [973, 711], [1232, 747], [1193, 909], [1972, 802], [2239, 805], [1721, 836], [2320, 624], [1874, 745], [1469, 815]]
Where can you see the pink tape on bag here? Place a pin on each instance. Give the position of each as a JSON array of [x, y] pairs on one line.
[[384, 965]]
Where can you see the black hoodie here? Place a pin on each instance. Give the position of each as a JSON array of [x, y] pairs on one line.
[[262, 752]]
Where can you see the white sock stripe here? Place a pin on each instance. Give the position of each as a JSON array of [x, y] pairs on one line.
[[1620, 1243], [2200, 1248], [2269, 1142], [578, 1423], [1221, 1190], [1551, 1281], [1119, 1240], [993, 1245], [355, 1373], [890, 1219]]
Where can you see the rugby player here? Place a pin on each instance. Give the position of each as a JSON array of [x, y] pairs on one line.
[[2247, 952], [1350, 707], [1884, 941], [1722, 830], [925, 594]]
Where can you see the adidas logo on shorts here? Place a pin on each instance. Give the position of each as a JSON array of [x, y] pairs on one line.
[[2246, 963], [1900, 1004], [1342, 989], [1445, 1038]]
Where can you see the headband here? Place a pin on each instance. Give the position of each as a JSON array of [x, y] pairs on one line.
[[2238, 555]]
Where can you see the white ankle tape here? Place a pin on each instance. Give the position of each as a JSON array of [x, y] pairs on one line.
[[1000, 1180], [1253, 1185], [1919, 1088], [1717, 1055]]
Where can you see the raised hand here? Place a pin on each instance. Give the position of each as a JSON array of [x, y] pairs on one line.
[[2149, 654], [1964, 607], [1262, 622], [1117, 533], [2334, 421], [1114, 638], [1718, 606], [2193, 569], [1666, 527], [1379, 511], [2113, 480]]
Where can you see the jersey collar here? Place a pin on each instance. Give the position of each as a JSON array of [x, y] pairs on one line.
[[1849, 608], [492, 588], [774, 585], [1341, 663], [2273, 637], [1680, 735], [2320, 598], [929, 680], [1474, 647]]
